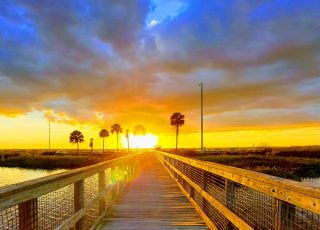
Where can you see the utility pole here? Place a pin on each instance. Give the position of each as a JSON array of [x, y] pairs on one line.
[[49, 135], [201, 88]]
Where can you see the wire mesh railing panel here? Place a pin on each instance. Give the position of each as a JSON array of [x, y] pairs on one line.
[[86, 196], [216, 187], [55, 207], [293, 217], [216, 217], [9, 218], [186, 186], [91, 190], [255, 208], [91, 216], [201, 179], [108, 181], [213, 184], [197, 176], [246, 205], [220, 220], [108, 199]]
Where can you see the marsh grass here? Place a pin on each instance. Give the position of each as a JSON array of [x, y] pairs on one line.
[[54, 160], [292, 164]]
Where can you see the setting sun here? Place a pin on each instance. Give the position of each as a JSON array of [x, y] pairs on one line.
[[141, 141]]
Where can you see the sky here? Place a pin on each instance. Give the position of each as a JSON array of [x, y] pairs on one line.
[[89, 64]]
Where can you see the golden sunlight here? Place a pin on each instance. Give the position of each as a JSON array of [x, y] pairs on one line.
[[140, 141]]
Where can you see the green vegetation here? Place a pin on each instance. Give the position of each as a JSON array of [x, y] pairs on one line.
[[286, 167], [177, 120], [290, 164], [116, 128], [54, 160], [76, 137], [103, 134]]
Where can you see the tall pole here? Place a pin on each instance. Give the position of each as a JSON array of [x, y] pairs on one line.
[[201, 87], [49, 135]]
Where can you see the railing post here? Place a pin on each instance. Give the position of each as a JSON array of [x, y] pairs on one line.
[[276, 214], [78, 201], [230, 194], [230, 198], [28, 215], [102, 187]]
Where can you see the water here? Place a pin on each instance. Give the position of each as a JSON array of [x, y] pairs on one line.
[[315, 182], [54, 207], [15, 175]]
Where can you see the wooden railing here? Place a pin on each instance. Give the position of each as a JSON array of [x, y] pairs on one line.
[[226, 197], [77, 198], [232, 198]]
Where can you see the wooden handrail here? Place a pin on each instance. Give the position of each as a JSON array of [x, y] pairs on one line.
[[206, 219], [293, 192], [17, 193], [238, 222]]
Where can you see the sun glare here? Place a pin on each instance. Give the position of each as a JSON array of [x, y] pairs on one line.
[[140, 141]]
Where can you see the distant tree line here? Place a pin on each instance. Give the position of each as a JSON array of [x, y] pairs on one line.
[[76, 137]]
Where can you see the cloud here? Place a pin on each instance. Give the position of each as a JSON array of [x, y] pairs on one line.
[[153, 23], [96, 62]]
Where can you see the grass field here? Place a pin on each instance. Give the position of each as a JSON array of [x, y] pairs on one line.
[[39, 159], [290, 163]]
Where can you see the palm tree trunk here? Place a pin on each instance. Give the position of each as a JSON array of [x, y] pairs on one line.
[[177, 132], [77, 147], [103, 146], [117, 143]]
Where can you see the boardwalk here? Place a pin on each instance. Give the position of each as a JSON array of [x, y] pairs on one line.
[[153, 201], [226, 197]]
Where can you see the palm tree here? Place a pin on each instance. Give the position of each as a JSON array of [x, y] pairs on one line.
[[76, 137], [103, 134], [116, 128], [127, 136], [91, 144], [139, 130], [177, 119]]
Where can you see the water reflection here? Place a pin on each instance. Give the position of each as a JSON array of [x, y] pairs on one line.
[[15, 175], [315, 182]]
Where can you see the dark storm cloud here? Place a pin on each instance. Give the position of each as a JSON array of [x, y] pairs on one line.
[[80, 57]]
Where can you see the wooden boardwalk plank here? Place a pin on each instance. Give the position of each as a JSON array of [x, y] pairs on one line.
[[153, 201]]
